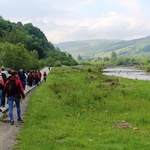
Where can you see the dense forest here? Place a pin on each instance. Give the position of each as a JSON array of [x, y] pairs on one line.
[[26, 46]]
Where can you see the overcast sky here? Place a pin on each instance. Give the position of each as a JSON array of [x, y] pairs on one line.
[[72, 20]]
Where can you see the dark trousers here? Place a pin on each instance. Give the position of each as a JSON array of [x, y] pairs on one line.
[[3, 99]]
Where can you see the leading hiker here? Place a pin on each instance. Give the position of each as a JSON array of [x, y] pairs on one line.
[[14, 91]]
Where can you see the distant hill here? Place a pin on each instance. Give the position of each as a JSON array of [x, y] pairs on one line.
[[101, 47]]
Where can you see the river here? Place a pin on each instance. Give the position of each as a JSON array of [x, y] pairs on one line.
[[127, 72]]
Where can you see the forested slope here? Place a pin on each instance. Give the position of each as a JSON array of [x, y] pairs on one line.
[[26, 46]]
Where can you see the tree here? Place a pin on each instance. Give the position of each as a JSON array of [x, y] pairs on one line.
[[106, 58], [14, 56], [34, 57], [15, 36], [113, 56], [21, 41], [79, 57]]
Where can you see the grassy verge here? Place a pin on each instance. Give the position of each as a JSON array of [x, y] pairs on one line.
[[79, 108]]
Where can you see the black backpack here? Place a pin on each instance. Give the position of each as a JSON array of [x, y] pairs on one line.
[[11, 88], [4, 77], [1, 86]]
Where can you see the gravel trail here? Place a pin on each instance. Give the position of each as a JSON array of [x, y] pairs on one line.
[[8, 133]]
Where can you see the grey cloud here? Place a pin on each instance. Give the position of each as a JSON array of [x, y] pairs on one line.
[[59, 20]]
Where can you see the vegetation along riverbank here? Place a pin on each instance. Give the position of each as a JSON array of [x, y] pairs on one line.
[[80, 108]]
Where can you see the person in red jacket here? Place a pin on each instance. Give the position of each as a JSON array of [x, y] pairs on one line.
[[14, 91], [39, 75], [44, 75]]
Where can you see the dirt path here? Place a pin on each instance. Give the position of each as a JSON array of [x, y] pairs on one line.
[[8, 133]]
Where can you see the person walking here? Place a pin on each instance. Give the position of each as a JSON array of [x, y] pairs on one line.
[[4, 75], [14, 91], [36, 77], [1, 88], [44, 75], [39, 76], [22, 77], [30, 79]]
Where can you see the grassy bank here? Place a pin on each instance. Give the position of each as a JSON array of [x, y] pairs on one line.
[[79, 108]]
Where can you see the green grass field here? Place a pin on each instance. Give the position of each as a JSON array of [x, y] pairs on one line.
[[76, 108]]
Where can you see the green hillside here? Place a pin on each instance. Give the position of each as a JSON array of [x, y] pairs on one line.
[[101, 48], [26, 46]]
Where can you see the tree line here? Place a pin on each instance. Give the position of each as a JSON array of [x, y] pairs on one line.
[[142, 62], [26, 46]]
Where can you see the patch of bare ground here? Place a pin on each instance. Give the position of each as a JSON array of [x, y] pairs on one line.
[[122, 124]]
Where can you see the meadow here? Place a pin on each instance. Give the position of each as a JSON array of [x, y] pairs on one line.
[[80, 108]]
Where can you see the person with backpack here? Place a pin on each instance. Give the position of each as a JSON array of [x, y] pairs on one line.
[[22, 77], [44, 75], [14, 91], [1, 87], [30, 79], [39, 76], [36, 80], [4, 75]]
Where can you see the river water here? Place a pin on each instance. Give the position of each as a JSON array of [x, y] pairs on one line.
[[127, 72]]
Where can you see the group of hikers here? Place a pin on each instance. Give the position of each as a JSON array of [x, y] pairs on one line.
[[12, 86]]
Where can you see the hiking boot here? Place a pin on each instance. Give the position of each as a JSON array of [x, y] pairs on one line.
[[20, 120], [12, 122]]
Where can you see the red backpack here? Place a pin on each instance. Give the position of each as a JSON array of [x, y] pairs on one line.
[[44, 73], [11, 88]]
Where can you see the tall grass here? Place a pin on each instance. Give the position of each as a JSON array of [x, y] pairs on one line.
[[76, 109]]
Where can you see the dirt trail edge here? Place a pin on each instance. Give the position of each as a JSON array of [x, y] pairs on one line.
[[9, 132]]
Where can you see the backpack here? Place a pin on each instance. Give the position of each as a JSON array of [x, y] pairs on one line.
[[11, 88], [44, 73], [4, 77], [30, 77]]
